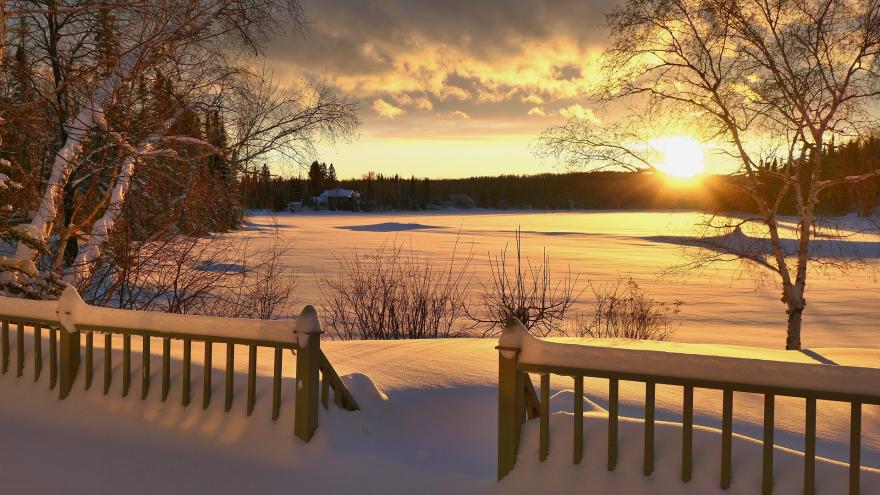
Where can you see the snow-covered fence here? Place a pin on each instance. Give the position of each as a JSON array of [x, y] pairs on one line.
[[521, 354], [68, 318]]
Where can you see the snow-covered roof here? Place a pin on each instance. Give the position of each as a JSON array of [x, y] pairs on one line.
[[340, 193]]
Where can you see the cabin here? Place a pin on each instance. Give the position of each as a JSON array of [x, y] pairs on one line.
[[338, 199]]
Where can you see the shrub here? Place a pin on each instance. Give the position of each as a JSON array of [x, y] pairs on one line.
[[622, 310], [526, 291], [392, 295]]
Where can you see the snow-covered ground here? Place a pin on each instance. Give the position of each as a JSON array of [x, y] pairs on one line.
[[428, 422], [429, 428], [725, 304]]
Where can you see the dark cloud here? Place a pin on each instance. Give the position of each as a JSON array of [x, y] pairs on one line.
[[567, 72], [490, 58]]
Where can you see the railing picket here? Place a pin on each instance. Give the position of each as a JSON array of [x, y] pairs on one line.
[[276, 385], [19, 348], [650, 400], [166, 367], [38, 351], [187, 367], [108, 352], [337, 397], [126, 363], [687, 434], [325, 389], [4, 343], [726, 437], [545, 417], [578, 419], [613, 393], [252, 378], [230, 373], [347, 402], [53, 357], [69, 342], [206, 386], [855, 447], [532, 403], [145, 376], [90, 358], [810, 448], [767, 471]]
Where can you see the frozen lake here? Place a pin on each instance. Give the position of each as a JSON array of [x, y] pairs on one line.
[[725, 304]]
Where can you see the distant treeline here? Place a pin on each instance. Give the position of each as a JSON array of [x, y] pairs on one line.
[[576, 190]]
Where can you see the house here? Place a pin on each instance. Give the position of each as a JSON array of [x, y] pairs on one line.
[[338, 199]]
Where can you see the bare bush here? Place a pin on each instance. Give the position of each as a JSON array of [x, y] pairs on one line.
[[624, 311], [215, 276], [525, 291], [269, 285], [393, 294]]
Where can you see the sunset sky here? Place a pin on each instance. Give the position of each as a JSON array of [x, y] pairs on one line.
[[452, 88]]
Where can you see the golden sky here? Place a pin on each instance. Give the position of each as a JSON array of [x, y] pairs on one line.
[[448, 88]]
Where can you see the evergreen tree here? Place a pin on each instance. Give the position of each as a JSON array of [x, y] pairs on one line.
[[426, 192], [331, 176], [316, 179]]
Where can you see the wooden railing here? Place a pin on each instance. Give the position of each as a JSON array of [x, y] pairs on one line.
[[520, 355], [68, 318]]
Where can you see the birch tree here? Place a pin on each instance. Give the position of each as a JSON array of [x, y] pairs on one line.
[[775, 84], [111, 128]]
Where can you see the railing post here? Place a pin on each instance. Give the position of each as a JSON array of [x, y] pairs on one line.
[[70, 342], [511, 395], [308, 361]]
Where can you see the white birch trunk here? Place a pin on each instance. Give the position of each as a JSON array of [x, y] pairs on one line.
[[84, 264], [65, 159]]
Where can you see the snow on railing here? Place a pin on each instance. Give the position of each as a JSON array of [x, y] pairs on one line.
[[70, 310], [69, 317], [521, 354]]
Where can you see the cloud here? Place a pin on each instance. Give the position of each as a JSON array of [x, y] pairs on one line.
[[386, 110], [454, 115], [482, 58], [416, 102], [570, 71], [537, 111], [576, 111]]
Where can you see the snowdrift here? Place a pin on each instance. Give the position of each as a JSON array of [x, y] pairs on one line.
[[427, 425]]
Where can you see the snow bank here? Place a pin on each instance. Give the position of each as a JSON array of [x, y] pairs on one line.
[[744, 369], [433, 433]]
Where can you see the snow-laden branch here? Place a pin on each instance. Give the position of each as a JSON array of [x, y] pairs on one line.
[[92, 114], [100, 232], [77, 132]]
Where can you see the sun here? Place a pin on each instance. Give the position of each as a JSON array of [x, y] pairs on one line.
[[680, 156]]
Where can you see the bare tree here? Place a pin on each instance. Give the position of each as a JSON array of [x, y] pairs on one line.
[[524, 290], [773, 84]]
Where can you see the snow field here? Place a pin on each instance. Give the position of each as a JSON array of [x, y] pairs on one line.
[[427, 425], [722, 305]]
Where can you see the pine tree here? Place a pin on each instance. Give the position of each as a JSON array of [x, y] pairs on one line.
[[331, 176], [426, 192], [316, 179]]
